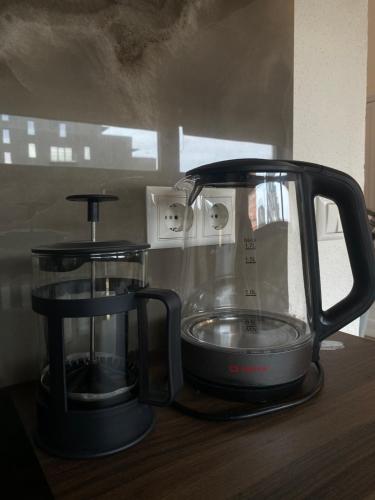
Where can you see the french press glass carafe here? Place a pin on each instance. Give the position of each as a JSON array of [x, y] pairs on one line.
[[95, 387], [252, 317]]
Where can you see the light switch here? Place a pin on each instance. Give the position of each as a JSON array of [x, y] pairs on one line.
[[328, 223], [332, 218]]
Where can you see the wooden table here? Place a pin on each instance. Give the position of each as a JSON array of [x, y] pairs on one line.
[[323, 449]]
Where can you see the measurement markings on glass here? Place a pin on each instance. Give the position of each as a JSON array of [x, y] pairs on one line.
[[250, 243], [250, 260], [251, 325]]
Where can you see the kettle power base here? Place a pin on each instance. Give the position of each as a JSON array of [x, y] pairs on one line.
[[243, 394], [205, 401]]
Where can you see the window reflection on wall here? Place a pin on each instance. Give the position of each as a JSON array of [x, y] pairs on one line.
[[57, 143], [196, 151]]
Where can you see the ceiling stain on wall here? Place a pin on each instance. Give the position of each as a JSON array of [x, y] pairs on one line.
[[50, 47], [219, 68]]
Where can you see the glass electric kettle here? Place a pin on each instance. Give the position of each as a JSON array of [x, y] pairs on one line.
[[252, 316]]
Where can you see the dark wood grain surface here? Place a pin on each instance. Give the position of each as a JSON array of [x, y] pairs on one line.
[[324, 449]]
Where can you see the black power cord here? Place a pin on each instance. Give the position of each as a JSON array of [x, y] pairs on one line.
[[228, 416]]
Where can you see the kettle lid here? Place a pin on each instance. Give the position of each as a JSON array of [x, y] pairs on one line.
[[244, 165]]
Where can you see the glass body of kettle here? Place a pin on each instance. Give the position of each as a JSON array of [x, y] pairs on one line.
[[250, 280]]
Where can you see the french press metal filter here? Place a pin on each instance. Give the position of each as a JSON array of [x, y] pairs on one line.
[[95, 391]]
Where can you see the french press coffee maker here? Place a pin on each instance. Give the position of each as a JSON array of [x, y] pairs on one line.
[[96, 392], [252, 317]]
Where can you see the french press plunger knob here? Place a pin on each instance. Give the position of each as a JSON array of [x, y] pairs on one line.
[[93, 201]]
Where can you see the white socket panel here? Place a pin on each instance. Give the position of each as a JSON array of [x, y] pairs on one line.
[[211, 219]]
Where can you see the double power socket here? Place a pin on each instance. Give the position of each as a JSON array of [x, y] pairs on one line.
[[209, 221]]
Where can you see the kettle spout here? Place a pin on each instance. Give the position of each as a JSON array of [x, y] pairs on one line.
[[191, 188]]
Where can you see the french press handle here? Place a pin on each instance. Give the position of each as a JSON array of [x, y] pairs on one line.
[[348, 196], [173, 324]]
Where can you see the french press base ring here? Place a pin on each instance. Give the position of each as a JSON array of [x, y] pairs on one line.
[[94, 433]]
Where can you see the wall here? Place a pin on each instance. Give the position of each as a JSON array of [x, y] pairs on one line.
[[219, 69], [371, 49], [370, 129], [330, 56]]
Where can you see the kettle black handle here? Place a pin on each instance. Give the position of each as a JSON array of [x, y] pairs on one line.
[[173, 324], [348, 196]]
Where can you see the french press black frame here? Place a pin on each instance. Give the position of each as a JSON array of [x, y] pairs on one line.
[[70, 428]]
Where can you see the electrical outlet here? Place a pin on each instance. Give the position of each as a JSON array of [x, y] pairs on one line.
[[165, 217], [218, 216], [210, 221]]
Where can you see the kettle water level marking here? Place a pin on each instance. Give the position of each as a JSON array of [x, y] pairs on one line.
[[251, 325], [250, 243], [250, 259]]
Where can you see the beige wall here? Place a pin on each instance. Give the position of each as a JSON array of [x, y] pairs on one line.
[[371, 49], [370, 115], [330, 59]]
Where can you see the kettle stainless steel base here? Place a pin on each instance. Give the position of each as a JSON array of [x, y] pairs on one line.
[[240, 349], [245, 394], [206, 401]]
